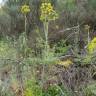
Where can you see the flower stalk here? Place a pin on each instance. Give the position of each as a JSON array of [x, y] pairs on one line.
[[25, 23], [46, 37]]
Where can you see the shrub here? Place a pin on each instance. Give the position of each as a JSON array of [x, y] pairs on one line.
[[90, 90]]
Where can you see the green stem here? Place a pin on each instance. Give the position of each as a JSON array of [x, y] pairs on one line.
[[46, 37], [25, 23], [76, 39], [88, 37], [46, 51]]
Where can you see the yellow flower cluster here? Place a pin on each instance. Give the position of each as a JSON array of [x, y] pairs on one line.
[[92, 45], [65, 63], [25, 9], [46, 8], [47, 12]]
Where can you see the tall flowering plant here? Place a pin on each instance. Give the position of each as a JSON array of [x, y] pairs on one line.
[[47, 14], [25, 9]]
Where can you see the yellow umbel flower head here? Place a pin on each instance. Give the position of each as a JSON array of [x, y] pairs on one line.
[[92, 45], [25, 9], [47, 12]]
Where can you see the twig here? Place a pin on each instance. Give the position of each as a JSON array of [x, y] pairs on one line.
[[67, 29]]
